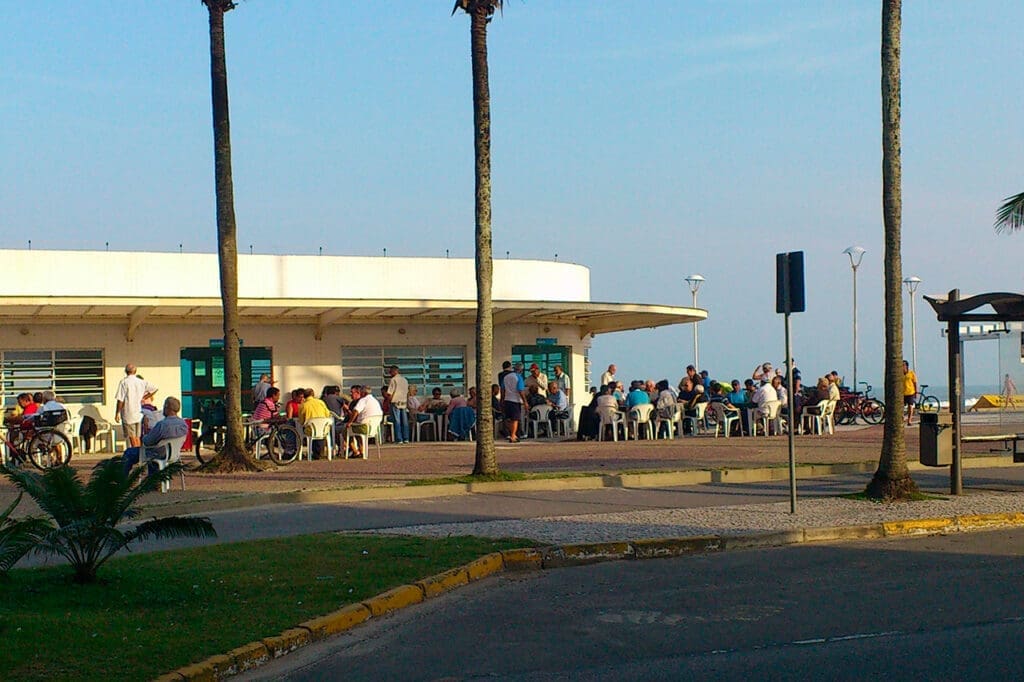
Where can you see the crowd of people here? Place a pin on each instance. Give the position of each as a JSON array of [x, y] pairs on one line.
[[764, 393]]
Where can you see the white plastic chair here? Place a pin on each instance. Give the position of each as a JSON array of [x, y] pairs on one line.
[[387, 427], [537, 420], [640, 416], [318, 428], [364, 438], [71, 428], [108, 429], [610, 416], [765, 418], [172, 446], [564, 427], [430, 423], [696, 421], [674, 425], [724, 419]]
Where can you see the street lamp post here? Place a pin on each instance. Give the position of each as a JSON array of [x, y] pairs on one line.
[[912, 284], [856, 253], [695, 281]]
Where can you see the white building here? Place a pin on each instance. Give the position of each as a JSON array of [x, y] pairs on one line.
[[71, 320]]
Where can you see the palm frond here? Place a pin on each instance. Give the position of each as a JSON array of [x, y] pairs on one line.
[[18, 537], [58, 492], [1010, 216], [174, 527]]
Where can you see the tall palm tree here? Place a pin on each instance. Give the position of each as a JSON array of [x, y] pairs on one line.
[[1010, 216], [892, 479], [480, 13], [233, 456]]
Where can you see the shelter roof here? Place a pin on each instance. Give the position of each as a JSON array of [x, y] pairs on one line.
[[1004, 307]]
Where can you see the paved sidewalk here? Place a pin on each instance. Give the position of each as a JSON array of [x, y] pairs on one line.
[[400, 464]]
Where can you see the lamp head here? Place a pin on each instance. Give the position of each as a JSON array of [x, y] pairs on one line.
[[695, 281], [912, 284], [856, 253]]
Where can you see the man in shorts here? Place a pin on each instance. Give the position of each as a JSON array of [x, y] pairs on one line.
[[130, 394], [513, 396], [909, 390]]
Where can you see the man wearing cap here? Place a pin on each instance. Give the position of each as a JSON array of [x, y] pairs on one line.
[[129, 396], [537, 378]]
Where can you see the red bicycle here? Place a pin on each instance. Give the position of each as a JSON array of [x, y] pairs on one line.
[[40, 441]]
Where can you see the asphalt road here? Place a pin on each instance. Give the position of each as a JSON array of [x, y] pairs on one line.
[[911, 608]]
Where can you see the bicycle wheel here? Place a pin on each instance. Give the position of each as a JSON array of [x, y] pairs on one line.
[[872, 411], [843, 413], [929, 403], [49, 450], [284, 443]]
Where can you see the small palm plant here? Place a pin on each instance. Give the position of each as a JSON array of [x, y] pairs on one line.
[[18, 536], [88, 514]]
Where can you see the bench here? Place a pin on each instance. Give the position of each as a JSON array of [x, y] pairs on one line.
[[1004, 438]]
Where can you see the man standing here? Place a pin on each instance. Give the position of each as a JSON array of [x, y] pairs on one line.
[[513, 395], [398, 393], [130, 393], [171, 426], [609, 376], [909, 391], [563, 381], [259, 391], [537, 378]]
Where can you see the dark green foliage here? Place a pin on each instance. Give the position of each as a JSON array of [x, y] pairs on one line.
[[18, 536], [88, 514]]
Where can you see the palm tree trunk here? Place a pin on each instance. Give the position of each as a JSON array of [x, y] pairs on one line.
[[892, 479], [486, 460], [233, 456]]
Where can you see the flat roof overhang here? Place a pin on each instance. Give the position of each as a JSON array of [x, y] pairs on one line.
[[134, 312]]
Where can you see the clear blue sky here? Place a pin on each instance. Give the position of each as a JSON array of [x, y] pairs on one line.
[[644, 140]]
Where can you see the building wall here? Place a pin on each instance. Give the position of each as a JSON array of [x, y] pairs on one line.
[[102, 273], [299, 359]]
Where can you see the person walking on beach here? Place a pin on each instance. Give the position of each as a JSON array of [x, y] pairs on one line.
[[1009, 391], [909, 391]]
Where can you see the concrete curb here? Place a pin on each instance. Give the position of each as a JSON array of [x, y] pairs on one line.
[[579, 482], [258, 653]]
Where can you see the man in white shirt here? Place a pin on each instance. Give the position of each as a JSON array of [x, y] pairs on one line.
[[563, 381], [129, 396], [364, 407], [398, 394], [609, 376], [765, 395]]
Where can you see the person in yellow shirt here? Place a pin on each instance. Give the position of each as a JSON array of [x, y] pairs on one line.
[[312, 408], [909, 391]]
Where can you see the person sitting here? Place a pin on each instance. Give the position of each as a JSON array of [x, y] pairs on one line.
[[171, 426], [436, 404], [312, 408], [590, 420], [362, 409], [51, 404], [763, 372], [620, 397], [780, 390], [559, 403], [691, 374], [606, 399], [718, 396], [266, 409], [821, 391], [291, 409], [688, 399], [764, 398], [738, 396], [455, 401], [332, 398], [665, 407], [652, 390], [534, 397], [536, 378], [637, 395], [473, 400], [833, 386], [750, 389], [21, 410]]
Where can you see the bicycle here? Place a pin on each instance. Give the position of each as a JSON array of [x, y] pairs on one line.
[[853, 405], [40, 444], [926, 403], [281, 443]]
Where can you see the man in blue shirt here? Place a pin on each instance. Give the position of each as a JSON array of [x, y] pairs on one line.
[[637, 396], [171, 426]]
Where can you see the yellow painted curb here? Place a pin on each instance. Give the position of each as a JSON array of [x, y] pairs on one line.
[[919, 526], [672, 547], [212, 669], [398, 598], [486, 565], [251, 655], [337, 621], [526, 559], [990, 520], [866, 532], [443, 582], [287, 642], [577, 555]]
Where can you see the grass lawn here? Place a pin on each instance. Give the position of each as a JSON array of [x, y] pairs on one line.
[[152, 613]]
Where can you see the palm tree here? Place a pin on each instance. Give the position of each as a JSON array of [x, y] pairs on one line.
[[480, 13], [88, 515], [1010, 216], [892, 479], [233, 456]]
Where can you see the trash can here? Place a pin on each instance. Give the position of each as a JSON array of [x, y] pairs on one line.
[[936, 439]]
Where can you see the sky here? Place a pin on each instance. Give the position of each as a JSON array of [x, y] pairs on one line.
[[646, 142]]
